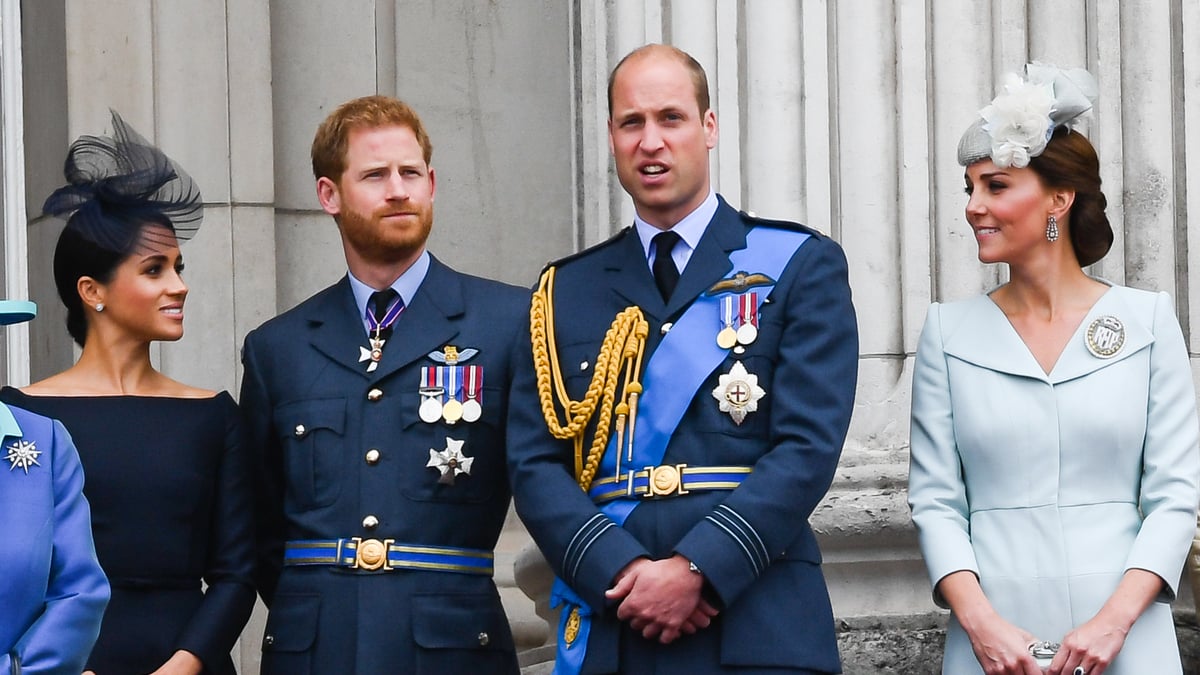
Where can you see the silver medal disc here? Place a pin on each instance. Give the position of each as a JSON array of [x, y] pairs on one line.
[[747, 333], [431, 410], [471, 410]]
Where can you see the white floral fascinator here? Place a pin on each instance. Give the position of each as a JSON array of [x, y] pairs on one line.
[[1015, 127]]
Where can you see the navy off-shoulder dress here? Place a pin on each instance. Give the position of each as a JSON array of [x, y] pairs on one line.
[[168, 482]]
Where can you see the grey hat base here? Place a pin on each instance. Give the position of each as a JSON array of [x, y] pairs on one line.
[[975, 144]]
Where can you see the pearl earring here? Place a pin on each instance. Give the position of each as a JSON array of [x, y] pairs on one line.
[[1052, 229], [99, 306]]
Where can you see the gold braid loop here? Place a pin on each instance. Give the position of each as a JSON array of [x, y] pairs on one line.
[[622, 349]]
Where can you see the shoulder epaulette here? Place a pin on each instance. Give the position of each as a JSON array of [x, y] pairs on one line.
[[591, 249], [780, 224]]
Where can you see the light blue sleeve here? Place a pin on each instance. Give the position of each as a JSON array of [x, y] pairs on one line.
[[1170, 457], [937, 494]]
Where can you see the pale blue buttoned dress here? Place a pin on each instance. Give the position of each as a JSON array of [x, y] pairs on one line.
[[1050, 487]]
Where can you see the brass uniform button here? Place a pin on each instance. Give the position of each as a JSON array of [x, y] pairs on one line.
[[484, 639], [300, 430], [374, 395], [372, 456], [370, 522]]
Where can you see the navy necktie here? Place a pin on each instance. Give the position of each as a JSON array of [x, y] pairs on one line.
[[666, 275], [379, 303]]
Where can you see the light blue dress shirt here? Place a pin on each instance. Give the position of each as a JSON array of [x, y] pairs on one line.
[[405, 285], [689, 229]]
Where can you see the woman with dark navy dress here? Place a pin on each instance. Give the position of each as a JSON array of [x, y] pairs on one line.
[[167, 476]]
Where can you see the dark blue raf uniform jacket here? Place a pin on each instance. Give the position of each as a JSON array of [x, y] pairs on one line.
[[753, 544], [313, 413]]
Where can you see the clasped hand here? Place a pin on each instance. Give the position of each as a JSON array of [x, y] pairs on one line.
[[661, 598]]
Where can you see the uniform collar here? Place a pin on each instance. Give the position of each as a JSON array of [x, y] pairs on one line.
[[405, 285], [689, 229]]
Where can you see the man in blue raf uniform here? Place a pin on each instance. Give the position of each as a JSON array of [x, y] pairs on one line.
[[377, 409], [666, 460]]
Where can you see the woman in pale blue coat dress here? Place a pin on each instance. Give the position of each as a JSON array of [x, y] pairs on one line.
[[1054, 435], [52, 590]]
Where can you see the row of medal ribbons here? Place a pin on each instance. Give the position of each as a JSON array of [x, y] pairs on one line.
[[451, 393]]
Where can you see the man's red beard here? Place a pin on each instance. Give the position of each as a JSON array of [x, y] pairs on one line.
[[381, 242]]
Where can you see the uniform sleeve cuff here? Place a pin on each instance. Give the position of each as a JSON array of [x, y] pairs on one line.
[[600, 550], [708, 545]]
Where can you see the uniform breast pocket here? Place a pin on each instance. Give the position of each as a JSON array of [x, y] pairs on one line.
[[578, 364], [311, 434], [737, 398], [461, 462]]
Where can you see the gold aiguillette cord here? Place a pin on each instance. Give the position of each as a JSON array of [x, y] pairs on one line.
[[619, 362]]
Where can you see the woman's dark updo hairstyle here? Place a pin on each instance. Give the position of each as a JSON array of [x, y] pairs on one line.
[[76, 256], [121, 193], [1069, 162]]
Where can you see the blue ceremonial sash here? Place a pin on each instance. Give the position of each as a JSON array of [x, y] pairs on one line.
[[682, 362]]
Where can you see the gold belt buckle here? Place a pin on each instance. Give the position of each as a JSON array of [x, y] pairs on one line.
[[371, 554], [665, 480]]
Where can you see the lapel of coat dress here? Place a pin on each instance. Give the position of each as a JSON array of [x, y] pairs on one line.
[[1077, 361], [428, 324], [979, 333]]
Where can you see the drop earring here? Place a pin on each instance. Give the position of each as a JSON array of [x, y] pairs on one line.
[[1051, 229]]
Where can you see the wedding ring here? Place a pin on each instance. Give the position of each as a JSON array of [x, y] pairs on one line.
[[1079, 671], [1043, 649]]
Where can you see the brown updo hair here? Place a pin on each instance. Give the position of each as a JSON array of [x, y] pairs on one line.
[[1069, 162]]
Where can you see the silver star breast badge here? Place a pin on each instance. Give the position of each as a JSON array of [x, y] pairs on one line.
[[23, 454], [738, 392], [450, 462]]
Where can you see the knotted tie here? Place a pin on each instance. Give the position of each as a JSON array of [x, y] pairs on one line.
[[379, 304], [666, 275]]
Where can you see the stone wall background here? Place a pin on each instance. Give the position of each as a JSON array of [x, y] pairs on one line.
[[844, 115]]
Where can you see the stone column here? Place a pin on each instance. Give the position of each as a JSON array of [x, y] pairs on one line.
[[846, 117]]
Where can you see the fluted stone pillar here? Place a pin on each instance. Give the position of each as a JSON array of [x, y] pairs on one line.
[[846, 116]]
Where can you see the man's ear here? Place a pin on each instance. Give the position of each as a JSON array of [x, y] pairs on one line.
[[329, 195]]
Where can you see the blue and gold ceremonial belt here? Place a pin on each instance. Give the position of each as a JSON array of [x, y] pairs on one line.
[[387, 555], [668, 480]]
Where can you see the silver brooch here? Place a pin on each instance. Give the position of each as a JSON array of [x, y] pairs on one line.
[[23, 454], [1105, 337], [450, 462]]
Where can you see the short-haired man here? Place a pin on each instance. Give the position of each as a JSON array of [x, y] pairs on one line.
[[381, 486], [721, 394]]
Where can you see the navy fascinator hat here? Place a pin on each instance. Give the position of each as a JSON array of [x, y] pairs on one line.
[[116, 186]]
